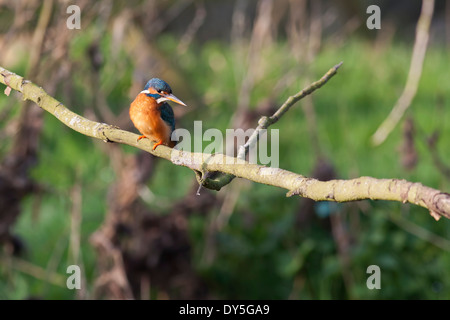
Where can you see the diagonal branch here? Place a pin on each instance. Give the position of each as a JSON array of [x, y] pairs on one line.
[[415, 72], [437, 202], [265, 122]]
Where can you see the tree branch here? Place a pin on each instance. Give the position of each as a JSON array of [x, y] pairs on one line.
[[415, 72], [265, 122], [335, 190]]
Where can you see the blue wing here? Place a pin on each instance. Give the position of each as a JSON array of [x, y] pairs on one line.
[[167, 115]]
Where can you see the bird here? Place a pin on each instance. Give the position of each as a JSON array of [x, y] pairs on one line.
[[152, 115]]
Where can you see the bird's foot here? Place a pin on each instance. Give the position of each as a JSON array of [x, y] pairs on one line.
[[157, 144], [141, 137]]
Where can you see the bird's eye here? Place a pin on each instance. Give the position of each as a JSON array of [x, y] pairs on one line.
[[159, 91]]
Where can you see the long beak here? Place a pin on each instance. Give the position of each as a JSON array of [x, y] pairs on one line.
[[171, 97]]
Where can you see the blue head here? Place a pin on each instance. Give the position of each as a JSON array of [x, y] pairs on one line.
[[158, 85], [160, 91]]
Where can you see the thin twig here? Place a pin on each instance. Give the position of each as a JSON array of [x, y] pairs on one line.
[[415, 72], [194, 26], [36, 271], [265, 122], [420, 232]]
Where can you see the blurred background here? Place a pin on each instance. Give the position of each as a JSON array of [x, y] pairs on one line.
[[133, 222]]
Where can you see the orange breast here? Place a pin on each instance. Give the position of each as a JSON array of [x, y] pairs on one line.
[[146, 118]]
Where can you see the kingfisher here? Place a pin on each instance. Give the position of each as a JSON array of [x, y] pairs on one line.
[[152, 115]]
